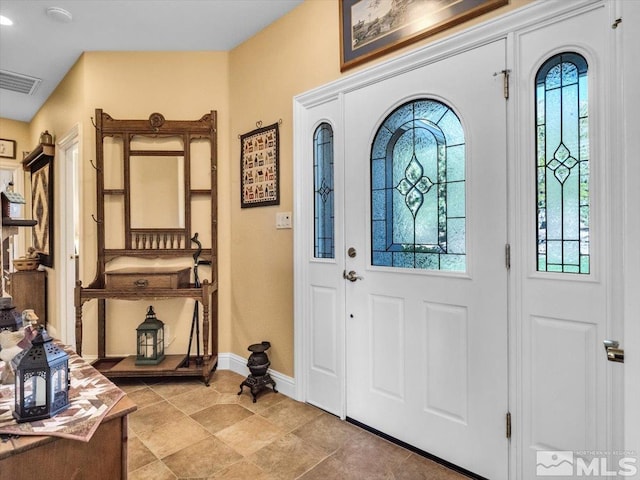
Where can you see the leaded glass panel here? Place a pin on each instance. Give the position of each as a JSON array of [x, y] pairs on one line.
[[418, 189], [323, 202], [562, 163]]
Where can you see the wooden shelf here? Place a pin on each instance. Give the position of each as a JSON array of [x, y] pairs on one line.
[[12, 222], [88, 293], [42, 150], [172, 365]]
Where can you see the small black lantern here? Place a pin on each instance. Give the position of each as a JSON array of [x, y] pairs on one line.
[[150, 335], [42, 379], [9, 318]]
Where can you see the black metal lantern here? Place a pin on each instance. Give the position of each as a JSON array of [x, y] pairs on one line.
[[42, 379], [150, 335], [9, 318]]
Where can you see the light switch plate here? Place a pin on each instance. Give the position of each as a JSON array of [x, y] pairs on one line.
[[283, 220]]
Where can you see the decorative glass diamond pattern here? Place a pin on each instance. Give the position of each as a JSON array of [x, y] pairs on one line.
[[562, 163], [324, 191], [414, 185]]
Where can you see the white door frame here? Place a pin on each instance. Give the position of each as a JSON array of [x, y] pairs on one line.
[[624, 434], [628, 102], [65, 261]]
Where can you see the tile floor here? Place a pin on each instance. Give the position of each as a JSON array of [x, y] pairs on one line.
[[185, 430]]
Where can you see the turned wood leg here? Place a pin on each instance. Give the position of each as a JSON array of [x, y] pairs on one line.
[[79, 330], [205, 329]]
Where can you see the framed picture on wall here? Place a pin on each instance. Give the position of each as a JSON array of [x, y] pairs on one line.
[[259, 167], [42, 207], [371, 28], [7, 148]]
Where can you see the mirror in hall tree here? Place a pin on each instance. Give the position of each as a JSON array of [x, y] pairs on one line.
[[157, 183]]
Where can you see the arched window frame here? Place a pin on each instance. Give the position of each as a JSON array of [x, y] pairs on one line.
[[440, 188], [562, 165], [324, 191]]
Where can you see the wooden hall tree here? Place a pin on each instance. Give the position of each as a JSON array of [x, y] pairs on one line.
[[148, 194]]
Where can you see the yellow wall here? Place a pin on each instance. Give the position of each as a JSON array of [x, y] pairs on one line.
[[299, 52], [267, 71], [18, 131], [254, 82]]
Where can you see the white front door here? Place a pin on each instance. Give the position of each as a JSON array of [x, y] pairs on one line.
[[426, 304]]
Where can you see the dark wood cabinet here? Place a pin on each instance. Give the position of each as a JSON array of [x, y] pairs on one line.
[[29, 290], [104, 457]]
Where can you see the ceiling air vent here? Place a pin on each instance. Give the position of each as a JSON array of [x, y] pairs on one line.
[[16, 82]]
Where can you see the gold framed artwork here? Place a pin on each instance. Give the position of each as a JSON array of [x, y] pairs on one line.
[[7, 148], [259, 167], [371, 28]]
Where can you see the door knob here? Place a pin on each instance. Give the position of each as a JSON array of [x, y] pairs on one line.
[[352, 276], [614, 353]]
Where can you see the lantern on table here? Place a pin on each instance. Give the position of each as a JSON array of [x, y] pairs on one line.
[[150, 335], [41, 379]]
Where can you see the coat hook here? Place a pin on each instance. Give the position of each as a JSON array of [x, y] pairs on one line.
[[616, 23], [93, 165], [279, 121], [95, 219], [94, 123], [259, 124]]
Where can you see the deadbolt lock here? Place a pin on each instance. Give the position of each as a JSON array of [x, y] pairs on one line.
[[351, 252]]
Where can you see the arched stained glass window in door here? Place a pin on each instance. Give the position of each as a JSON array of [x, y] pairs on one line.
[[323, 202], [418, 189], [562, 144]]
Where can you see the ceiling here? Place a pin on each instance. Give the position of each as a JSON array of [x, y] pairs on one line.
[[41, 46]]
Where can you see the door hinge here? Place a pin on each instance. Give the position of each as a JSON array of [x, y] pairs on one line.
[[507, 255], [508, 422], [505, 80]]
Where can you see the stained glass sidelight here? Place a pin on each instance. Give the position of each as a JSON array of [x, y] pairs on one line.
[[323, 203], [562, 151], [418, 189]]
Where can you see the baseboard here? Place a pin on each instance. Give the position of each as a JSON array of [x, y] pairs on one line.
[[230, 361]]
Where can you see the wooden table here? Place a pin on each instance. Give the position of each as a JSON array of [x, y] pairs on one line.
[[104, 457]]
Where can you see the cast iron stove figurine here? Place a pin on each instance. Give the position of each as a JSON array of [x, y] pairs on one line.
[[258, 364]]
